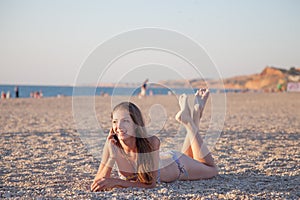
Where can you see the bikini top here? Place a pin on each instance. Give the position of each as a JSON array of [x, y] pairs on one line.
[[133, 177]]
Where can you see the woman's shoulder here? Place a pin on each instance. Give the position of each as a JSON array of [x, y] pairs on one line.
[[154, 140]]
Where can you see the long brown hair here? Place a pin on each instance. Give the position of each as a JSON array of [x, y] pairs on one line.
[[145, 163]]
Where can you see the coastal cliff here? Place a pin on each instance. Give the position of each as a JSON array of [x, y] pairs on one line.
[[268, 80]]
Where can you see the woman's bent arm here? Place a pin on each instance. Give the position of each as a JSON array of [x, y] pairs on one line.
[[107, 161], [103, 171]]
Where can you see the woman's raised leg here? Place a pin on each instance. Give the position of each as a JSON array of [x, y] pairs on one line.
[[193, 145], [186, 147], [201, 97]]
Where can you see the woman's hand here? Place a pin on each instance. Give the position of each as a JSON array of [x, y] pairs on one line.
[[111, 135], [103, 183], [111, 145]]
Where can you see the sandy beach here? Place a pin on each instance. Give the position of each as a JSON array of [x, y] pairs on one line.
[[43, 154]]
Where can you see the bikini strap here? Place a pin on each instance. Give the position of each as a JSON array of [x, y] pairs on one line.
[[181, 168]]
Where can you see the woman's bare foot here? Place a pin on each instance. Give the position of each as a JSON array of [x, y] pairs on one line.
[[184, 115], [201, 97]]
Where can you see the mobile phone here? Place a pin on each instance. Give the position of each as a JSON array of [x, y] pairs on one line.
[[115, 137]]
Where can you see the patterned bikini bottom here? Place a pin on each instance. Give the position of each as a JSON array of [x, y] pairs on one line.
[[174, 156]]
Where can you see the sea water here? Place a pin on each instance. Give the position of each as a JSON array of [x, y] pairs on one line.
[[25, 91]]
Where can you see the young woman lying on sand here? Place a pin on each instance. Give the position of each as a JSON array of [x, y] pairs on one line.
[[137, 156]]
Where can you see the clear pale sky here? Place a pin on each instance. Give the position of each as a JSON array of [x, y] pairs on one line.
[[46, 42]]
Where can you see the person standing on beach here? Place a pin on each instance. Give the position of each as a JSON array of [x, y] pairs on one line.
[[137, 155], [143, 92], [8, 94], [17, 92], [3, 95]]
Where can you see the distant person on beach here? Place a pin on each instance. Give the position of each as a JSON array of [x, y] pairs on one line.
[[144, 89], [137, 155], [36, 94], [17, 92], [3, 95], [8, 94]]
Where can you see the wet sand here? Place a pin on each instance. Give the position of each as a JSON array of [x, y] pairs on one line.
[[44, 154]]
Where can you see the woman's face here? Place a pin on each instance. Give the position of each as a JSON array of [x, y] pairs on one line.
[[123, 125]]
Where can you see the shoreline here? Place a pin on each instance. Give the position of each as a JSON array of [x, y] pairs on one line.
[[45, 91]]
